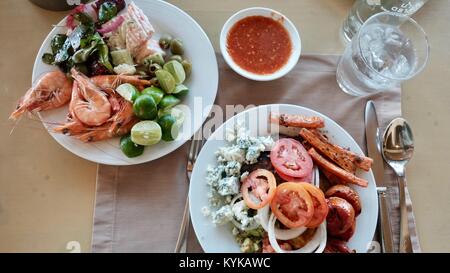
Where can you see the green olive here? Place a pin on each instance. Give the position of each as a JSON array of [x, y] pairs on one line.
[[153, 68], [141, 70], [177, 58], [155, 58], [176, 47], [187, 65], [164, 41]]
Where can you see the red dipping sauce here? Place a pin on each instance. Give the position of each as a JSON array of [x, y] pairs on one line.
[[259, 44]]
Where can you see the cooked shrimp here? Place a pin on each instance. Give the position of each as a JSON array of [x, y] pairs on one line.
[[51, 91], [91, 106], [122, 109], [73, 125], [119, 124], [113, 98], [112, 81], [123, 116], [104, 132], [72, 128], [75, 97]]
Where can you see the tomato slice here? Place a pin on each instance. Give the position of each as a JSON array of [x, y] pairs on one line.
[[288, 156], [258, 188], [319, 203], [292, 205], [288, 178]]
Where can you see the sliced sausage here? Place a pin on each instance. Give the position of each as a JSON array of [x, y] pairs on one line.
[[347, 234], [347, 193], [341, 216]]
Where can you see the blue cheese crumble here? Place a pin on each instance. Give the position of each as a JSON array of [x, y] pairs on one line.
[[240, 212], [228, 186], [222, 215], [224, 179]]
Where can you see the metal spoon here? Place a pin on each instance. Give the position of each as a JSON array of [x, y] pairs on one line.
[[397, 150]]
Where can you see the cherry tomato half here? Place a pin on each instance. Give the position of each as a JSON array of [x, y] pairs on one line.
[[319, 203], [258, 188], [288, 156], [292, 205], [287, 178]]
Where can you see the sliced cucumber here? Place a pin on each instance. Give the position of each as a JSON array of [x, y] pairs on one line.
[[121, 56]]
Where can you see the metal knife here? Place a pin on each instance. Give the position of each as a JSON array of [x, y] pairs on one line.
[[372, 143]]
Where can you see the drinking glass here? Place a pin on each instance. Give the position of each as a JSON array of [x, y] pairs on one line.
[[388, 49], [363, 9]]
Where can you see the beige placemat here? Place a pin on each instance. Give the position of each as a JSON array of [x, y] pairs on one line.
[[139, 208]]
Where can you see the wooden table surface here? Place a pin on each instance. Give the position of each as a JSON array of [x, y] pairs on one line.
[[47, 194]]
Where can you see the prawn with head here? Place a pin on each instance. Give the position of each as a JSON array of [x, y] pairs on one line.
[[97, 113], [52, 90]]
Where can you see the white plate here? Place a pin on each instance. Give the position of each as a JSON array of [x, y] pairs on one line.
[[220, 239], [203, 83]]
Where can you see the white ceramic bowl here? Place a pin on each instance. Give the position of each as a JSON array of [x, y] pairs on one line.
[[258, 11]]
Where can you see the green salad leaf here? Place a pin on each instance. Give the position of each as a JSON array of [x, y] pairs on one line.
[[85, 20], [103, 54], [57, 42], [106, 12]]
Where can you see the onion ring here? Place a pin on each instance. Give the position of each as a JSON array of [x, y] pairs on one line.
[[233, 220], [316, 244], [280, 234], [316, 176]]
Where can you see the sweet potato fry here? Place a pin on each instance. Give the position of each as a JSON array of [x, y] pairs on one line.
[[298, 121], [342, 174], [362, 162], [324, 147]]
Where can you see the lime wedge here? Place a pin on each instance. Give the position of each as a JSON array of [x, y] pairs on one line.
[[168, 101], [129, 148], [144, 107], [166, 80], [180, 91], [128, 91], [155, 92], [146, 133], [169, 126], [176, 112], [176, 69]]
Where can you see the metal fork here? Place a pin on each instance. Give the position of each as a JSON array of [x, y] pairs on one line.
[[194, 149]]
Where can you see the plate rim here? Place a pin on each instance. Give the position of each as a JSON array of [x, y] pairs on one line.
[[370, 173]]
